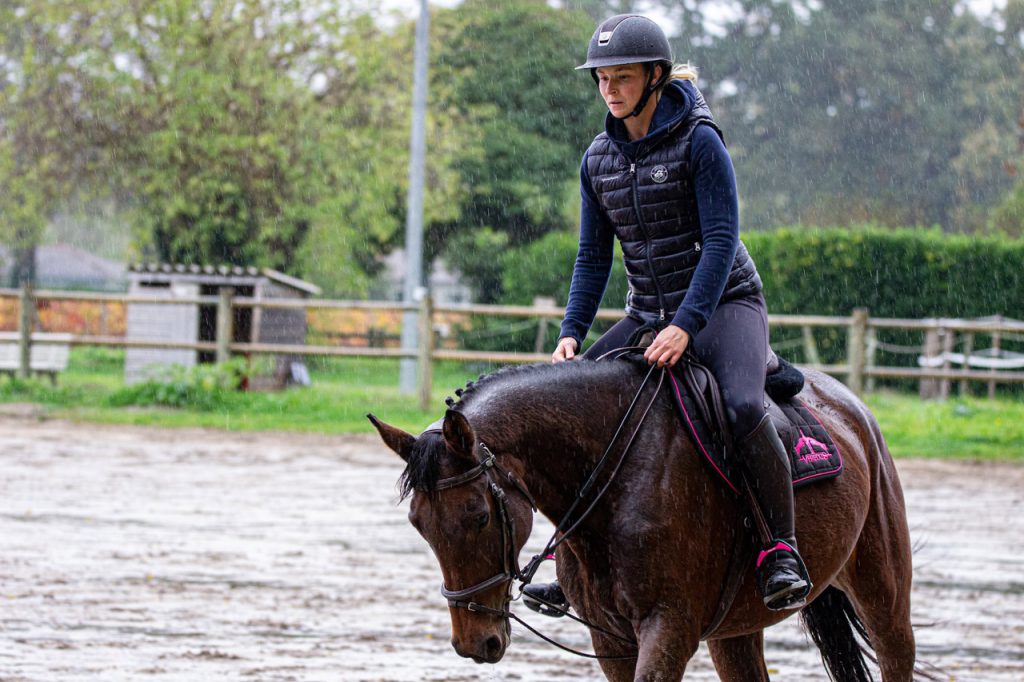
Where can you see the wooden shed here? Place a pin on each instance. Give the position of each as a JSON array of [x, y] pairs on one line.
[[190, 322]]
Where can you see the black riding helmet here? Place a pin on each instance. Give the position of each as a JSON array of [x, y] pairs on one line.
[[630, 39]]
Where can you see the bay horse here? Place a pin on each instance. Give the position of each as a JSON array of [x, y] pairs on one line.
[[648, 563]]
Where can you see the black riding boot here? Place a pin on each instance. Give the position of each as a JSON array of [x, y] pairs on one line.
[[781, 574], [546, 598]]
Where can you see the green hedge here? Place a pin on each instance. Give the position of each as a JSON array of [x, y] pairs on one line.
[[894, 273], [910, 273]]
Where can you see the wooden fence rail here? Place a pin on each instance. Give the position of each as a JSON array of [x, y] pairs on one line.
[[858, 369]]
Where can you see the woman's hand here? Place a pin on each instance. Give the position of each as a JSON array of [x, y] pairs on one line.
[[667, 347], [565, 350]]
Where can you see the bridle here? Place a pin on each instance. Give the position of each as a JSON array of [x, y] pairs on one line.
[[509, 567], [510, 570]]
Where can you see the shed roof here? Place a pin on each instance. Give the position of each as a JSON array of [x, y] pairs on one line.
[[220, 274]]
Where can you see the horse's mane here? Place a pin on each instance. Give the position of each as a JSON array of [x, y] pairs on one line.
[[422, 470], [516, 371]]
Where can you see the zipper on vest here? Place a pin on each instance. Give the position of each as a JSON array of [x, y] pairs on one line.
[[647, 238]]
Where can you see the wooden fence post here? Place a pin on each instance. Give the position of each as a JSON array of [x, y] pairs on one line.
[[929, 388], [225, 324], [948, 338], [856, 350], [542, 323], [425, 351], [968, 349], [997, 340], [26, 316], [810, 347], [872, 347], [104, 319]]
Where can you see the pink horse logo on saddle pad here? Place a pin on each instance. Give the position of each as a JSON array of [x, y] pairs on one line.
[[809, 449]]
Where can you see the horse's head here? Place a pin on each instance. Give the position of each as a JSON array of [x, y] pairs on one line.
[[475, 516]]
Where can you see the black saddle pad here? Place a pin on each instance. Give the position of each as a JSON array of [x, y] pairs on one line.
[[813, 454]]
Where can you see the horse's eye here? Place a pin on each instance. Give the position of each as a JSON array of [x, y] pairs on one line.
[[482, 520]]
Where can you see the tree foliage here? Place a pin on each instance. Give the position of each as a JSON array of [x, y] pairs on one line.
[[508, 70], [275, 132], [900, 113], [259, 132]]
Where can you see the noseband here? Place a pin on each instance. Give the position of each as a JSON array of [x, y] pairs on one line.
[[510, 568]]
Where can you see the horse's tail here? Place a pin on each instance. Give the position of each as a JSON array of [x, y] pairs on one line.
[[831, 622]]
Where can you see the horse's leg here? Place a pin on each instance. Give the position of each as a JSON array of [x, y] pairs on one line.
[[615, 671], [666, 645], [878, 575], [739, 659], [878, 585]]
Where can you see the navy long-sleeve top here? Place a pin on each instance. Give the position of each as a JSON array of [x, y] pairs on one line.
[[714, 183]]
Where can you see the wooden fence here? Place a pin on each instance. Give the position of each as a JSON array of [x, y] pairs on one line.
[[858, 370]]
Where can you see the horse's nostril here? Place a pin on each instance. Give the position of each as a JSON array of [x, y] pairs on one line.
[[493, 647]]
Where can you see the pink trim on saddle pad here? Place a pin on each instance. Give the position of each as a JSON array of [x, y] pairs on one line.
[[693, 432], [779, 547], [839, 452]]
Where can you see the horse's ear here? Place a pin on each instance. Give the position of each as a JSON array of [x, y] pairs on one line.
[[458, 434], [396, 439]]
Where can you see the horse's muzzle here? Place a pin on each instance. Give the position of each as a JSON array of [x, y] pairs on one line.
[[488, 649]]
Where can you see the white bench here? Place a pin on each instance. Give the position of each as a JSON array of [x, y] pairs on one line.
[[49, 354]]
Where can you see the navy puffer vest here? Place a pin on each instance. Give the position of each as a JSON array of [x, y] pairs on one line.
[[650, 201]]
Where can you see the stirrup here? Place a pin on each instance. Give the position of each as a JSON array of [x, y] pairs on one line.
[[552, 603], [792, 596]]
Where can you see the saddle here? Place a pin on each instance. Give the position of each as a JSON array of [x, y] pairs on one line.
[[813, 454]]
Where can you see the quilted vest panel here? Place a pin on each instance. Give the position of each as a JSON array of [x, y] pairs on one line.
[[652, 205]]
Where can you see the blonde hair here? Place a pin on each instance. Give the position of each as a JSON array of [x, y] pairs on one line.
[[683, 72]]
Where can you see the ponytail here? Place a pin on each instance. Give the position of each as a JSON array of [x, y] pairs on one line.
[[684, 72]]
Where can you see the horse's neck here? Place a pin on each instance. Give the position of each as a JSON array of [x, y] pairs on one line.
[[558, 430]]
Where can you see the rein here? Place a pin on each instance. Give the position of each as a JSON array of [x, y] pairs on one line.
[[510, 571]]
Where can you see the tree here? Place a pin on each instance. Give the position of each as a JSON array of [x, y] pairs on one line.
[[1008, 215], [263, 132], [363, 136], [36, 160], [838, 112], [525, 116]]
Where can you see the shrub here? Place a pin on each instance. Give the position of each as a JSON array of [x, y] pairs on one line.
[[200, 387]]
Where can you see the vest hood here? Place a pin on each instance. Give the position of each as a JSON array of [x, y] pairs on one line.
[[679, 98]]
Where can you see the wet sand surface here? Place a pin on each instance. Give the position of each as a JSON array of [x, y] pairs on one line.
[[148, 554]]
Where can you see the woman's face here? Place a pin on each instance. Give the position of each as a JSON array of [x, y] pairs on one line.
[[621, 87]]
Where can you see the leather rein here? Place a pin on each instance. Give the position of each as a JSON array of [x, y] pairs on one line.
[[510, 570]]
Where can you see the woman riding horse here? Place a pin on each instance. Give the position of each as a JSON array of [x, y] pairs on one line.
[[659, 179]]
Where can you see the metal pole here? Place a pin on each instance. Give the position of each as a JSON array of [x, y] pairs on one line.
[[414, 213], [426, 349]]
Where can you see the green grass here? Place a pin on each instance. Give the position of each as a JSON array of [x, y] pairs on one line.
[[345, 389], [962, 428]]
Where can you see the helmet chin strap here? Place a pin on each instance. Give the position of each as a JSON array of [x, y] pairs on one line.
[[648, 91]]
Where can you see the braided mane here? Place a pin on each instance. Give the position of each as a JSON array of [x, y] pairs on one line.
[[422, 470]]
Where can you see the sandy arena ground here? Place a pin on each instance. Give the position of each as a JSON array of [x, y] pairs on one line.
[[147, 554]]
